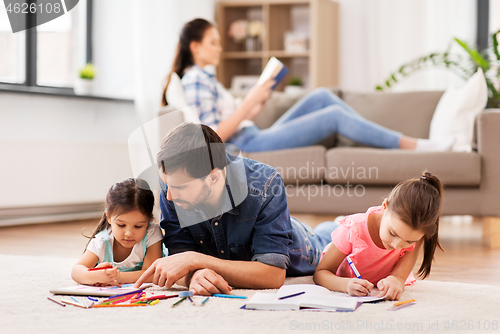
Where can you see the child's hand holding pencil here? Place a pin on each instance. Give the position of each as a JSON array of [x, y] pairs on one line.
[[359, 287], [105, 274]]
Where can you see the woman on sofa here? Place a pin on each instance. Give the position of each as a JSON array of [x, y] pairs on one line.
[[315, 117]]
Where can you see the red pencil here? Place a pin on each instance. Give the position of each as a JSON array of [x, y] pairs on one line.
[[100, 268], [158, 297]]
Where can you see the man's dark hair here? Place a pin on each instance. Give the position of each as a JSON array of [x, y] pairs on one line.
[[195, 148]]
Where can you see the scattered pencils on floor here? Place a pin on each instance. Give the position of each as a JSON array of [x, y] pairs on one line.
[[133, 299]]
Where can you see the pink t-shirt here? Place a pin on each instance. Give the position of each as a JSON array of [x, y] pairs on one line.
[[373, 263]]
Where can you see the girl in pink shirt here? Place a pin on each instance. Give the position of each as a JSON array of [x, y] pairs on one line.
[[384, 242]]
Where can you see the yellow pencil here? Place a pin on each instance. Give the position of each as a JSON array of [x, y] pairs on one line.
[[404, 302]]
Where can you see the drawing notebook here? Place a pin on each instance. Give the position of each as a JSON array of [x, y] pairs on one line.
[[108, 291], [315, 297], [274, 69]]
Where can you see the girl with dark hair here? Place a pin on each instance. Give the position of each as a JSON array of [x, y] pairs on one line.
[[315, 117], [384, 242], [125, 239]]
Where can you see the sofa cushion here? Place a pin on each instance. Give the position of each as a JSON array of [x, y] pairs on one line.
[[297, 165], [370, 166], [409, 113]]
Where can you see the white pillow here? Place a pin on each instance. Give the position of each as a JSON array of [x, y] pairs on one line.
[[455, 113], [176, 98], [175, 92]]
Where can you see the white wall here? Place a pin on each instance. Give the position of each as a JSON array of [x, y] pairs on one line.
[[57, 150]]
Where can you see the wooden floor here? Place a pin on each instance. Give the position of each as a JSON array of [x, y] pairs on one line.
[[467, 257]]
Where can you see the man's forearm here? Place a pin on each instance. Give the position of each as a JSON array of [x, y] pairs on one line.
[[245, 274]]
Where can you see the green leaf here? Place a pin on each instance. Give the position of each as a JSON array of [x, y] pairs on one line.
[[475, 55], [495, 44], [379, 88]]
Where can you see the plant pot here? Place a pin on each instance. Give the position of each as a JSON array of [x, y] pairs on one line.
[[294, 90], [83, 86]]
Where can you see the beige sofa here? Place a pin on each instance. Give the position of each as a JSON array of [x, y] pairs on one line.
[[345, 179], [339, 177]]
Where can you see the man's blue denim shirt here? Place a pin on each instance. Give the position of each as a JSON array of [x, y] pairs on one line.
[[258, 229]]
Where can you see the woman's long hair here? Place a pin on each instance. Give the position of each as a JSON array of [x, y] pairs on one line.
[[192, 31]]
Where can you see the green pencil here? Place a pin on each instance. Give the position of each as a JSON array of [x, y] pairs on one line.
[[178, 302]]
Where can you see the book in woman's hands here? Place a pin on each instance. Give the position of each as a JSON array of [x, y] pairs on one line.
[[314, 297], [275, 70]]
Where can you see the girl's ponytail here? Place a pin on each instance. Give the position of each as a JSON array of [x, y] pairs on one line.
[[433, 181], [430, 245], [103, 224], [418, 202]]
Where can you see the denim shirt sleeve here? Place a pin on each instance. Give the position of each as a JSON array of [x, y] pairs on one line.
[[273, 230], [176, 239]]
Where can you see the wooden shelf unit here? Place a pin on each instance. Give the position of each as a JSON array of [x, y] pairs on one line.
[[318, 66]]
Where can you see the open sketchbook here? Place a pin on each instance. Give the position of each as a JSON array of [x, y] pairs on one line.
[[315, 297], [274, 69], [87, 290]]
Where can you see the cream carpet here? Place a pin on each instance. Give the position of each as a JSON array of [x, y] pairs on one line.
[[441, 307]]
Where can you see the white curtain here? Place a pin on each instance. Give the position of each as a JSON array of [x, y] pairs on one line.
[[494, 15], [378, 36]]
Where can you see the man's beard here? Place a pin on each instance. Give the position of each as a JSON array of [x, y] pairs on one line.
[[200, 199]]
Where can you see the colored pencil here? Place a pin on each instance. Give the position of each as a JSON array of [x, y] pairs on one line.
[[71, 302], [293, 295], [56, 301], [228, 296], [178, 302], [100, 268], [404, 302], [120, 305], [124, 294], [204, 301], [156, 297]]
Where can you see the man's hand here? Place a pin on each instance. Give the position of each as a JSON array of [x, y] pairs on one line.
[[169, 269], [206, 282]]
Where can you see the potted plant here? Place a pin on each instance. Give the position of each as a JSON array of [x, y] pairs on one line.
[[83, 85], [295, 86], [255, 30], [238, 32], [465, 67]]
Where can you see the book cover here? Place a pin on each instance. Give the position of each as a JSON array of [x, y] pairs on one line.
[[274, 69]]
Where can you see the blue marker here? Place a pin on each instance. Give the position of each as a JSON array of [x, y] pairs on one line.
[[93, 299], [353, 267]]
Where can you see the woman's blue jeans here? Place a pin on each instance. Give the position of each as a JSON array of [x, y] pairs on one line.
[[315, 117]]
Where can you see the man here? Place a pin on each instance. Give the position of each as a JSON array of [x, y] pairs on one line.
[[226, 219]]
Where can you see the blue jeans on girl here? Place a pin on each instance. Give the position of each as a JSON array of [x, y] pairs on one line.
[[315, 117]]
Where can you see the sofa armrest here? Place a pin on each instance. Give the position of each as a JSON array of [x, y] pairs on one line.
[[488, 140]]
